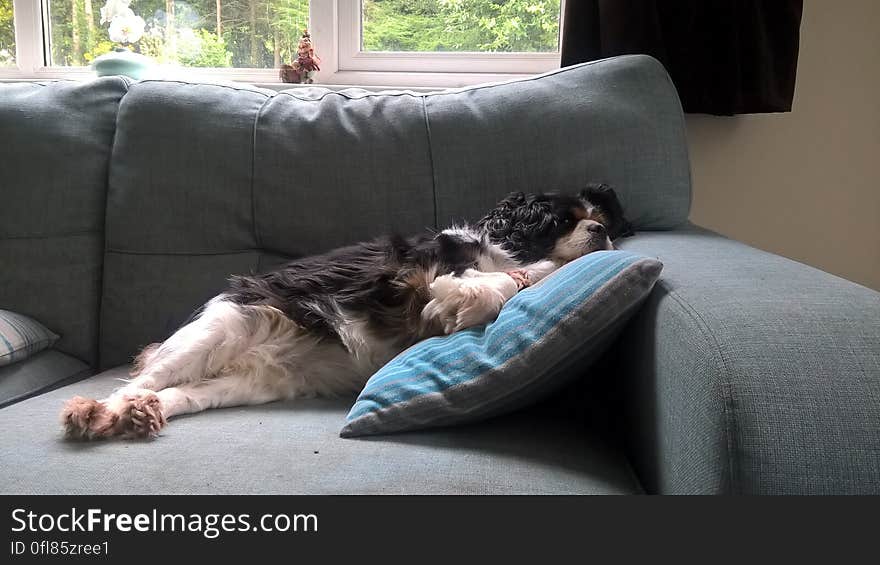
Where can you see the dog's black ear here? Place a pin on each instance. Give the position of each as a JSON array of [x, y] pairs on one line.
[[535, 216], [519, 212], [520, 223], [603, 197]]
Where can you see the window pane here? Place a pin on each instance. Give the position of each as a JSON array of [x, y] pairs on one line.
[[460, 25], [7, 35], [193, 33]]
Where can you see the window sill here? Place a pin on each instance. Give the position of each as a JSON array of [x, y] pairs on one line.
[[268, 78]]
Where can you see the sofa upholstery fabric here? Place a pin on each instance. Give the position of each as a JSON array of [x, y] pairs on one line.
[[749, 373]]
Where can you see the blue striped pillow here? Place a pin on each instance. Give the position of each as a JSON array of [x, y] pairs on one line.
[[543, 337], [21, 337]]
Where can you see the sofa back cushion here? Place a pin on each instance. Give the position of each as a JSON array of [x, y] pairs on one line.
[[55, 141], [210, 180]]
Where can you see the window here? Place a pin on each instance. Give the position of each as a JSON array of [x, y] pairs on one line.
[[529, 26], [384, 42], [7, 34], [457, 37]]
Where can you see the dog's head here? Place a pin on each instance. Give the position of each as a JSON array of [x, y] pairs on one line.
[[555, 226]]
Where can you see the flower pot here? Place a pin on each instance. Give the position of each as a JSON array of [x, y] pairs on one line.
[[122, 62]]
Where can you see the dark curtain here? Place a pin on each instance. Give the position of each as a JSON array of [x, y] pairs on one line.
[[724, 56]]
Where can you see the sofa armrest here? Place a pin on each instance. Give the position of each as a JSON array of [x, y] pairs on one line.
[[749, 373]]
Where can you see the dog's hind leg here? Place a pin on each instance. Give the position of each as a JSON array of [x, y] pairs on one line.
[[196, 352], [260, 356], [145, 413], [256, 377], [288, 363]]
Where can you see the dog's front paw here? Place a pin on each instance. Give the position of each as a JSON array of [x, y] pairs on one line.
[[472, 300]]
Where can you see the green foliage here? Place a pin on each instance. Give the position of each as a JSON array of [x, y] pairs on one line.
[[397, 25], [286, 21], [7, 34], [461, 25], [201, 48], [97, 49]]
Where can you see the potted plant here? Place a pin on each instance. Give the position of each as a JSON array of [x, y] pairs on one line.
[[125, 30]]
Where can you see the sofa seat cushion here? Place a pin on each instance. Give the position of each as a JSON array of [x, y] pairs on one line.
[[294, 448], [39, 373]]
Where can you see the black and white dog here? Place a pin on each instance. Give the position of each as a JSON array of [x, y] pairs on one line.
[[322, 325]]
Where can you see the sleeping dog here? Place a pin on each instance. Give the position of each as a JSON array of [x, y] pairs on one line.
[[322, 325]]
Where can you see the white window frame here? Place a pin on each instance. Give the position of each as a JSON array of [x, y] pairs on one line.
[[335, 26]]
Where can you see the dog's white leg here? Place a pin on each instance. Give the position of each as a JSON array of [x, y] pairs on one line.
[[223, 333], [476, 297], [144, 413], [286, 364], [197, 350], [472, 299], [277, 360]]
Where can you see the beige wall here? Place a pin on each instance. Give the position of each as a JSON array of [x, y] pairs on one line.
[[805, 184]]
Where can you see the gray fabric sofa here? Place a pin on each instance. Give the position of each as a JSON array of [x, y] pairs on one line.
[[126, 205]]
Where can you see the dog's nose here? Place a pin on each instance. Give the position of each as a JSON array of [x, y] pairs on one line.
[[596, 228]]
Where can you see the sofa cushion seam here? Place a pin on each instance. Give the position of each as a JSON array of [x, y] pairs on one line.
[[185, 253], [254, 90], [79, 233], [256, 232], [431, 162], [104, 230]]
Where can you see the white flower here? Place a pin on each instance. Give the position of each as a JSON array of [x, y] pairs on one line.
[[126, 29], [114, 8]]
